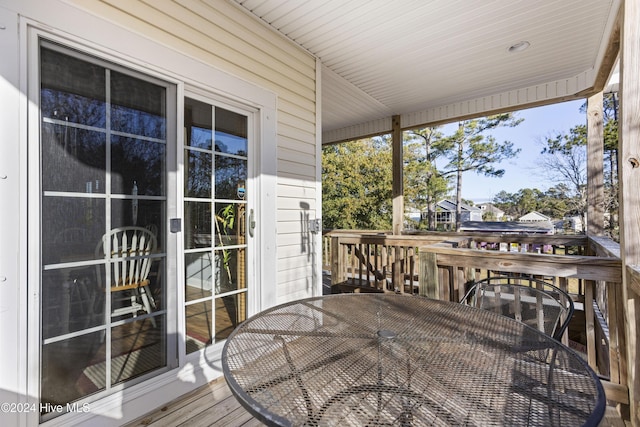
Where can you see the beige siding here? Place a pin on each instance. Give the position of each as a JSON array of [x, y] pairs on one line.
[[224, 36]]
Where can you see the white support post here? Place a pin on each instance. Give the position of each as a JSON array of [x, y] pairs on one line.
[[398, 187]]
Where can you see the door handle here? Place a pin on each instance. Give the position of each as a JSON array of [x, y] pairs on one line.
[[252, 223]]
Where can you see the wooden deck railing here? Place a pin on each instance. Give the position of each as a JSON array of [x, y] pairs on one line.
[[442, 265], [381, 261]]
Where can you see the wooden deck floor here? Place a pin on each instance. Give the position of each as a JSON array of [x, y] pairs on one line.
[[210, 405], [214, 405]]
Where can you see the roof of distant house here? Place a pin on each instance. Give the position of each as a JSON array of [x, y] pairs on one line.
[[448, 205], [508, 227], [534, 217]]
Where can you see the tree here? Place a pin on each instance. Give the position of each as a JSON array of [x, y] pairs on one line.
[[557, 201], [564, 160], [518, 204], [424, 185], [554, 203], [357, 184], [610, 107], [469, 149]]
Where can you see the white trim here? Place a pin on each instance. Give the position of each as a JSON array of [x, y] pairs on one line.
[[13, 255], [178, 243], [604, 45], [361, 130], [546, 93], [30, 51], [172, 271], [266, 229], [317, 249]]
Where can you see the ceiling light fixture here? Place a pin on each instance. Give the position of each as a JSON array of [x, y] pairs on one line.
[[519, 47]]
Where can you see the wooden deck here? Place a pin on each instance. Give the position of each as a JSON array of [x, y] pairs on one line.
[[214, 405], [210, 405]]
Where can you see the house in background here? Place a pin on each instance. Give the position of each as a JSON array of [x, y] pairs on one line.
[[534, 217], [446, 213], [573, 224], [488, 209], [413, 214], [202, 122]]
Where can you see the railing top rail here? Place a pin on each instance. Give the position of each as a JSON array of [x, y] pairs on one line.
[[392, 240], [578, 240], [633, 278], [580, 266], [604, 247]]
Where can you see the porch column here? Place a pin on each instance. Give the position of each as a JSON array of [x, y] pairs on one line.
[[629, 164], [398, 187], [595, 162], [594, 222]]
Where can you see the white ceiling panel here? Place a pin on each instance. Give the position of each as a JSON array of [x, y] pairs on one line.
[[384, 57]]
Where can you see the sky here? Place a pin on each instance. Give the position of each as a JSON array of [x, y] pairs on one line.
[[520, 172]]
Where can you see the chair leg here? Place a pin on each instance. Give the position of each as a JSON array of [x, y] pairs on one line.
[[134, 300], [148, 302]]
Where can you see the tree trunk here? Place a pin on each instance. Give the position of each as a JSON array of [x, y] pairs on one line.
[[431, 213], [431, 204]]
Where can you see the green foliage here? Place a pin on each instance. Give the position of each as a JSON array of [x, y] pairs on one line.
[[423, 183], [225, 219], [357, 185], [554, 203], [357, 175], [470, 149]]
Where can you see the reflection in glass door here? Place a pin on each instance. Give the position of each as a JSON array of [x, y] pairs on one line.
[[215, 194], [103, 204]]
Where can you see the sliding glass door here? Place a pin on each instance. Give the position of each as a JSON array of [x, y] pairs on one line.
[[216, 201], [104, 195], [105, 135]]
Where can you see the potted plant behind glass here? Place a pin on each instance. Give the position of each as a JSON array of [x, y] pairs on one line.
[[225, 221]]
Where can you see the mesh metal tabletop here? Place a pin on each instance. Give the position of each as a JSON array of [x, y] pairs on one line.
[[385, 359]]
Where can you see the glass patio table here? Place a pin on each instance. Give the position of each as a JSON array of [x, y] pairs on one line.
[[386, 359]]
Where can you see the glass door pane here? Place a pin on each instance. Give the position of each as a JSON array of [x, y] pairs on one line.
[[103, 208], [216, 167]]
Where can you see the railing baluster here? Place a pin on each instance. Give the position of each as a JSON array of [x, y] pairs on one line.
[[398, 282], [412, 266], [590, 325]]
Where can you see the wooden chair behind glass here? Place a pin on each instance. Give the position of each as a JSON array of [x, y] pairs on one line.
[[129, 249]]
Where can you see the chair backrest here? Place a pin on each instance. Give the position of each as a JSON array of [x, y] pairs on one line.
[[531, 301], [128, 248]]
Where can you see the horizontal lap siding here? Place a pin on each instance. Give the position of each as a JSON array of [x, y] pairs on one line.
[[220, 34]]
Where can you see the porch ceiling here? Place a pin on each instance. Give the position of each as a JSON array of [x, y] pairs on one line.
[[433, 61]]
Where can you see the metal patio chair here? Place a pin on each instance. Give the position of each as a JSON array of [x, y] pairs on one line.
[[534, 302]]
